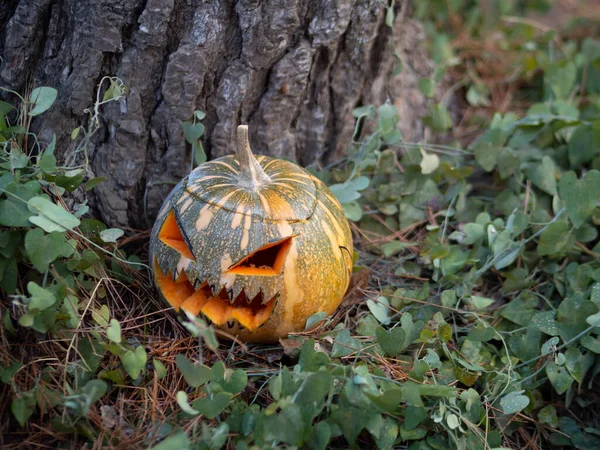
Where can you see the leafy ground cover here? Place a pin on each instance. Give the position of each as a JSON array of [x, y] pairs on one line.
[[473, 318]]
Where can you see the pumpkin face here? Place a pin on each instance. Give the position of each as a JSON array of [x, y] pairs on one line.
[[256, 245]]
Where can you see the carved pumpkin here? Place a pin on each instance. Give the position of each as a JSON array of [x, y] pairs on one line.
[[256, 245]]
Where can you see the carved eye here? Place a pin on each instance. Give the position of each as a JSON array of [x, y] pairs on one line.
[[266, 261], [171, 235]]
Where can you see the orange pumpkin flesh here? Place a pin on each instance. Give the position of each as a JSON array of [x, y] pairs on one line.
[[255, 244]]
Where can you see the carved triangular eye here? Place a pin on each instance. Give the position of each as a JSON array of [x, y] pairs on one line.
[[266, 261], [171, 235]]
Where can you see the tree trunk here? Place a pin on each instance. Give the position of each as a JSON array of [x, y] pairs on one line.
[[292, 69]]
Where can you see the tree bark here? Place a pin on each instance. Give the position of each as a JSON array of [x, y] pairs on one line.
[[292, 69]]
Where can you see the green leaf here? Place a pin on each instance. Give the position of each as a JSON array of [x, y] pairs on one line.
[[559, 377], [391, 248], [321, 434], [6, 373], [192, 132], [553, 239], [486, 155], [195, 374], [414, 416], [411, 393], [480, 303], [380, 308], [521, 309], [40, 299], [549, 346], [437, 390], [478, 95], [47, 163], [23, 407], [199, 154], [578, 363], [594, 319], [543, 175], [344, 345], [429, 162], [92, 183], [389, 17], [159, 368], [561, 78], [351, 421], [101, 316], [42, 99], [111, 235], [75, 133], [481, 333], [547, 416], [134, 362], [71, 179], [42, 249], [14, 213], [18, 159], [213, 405], [178, 441], [51, 217], [546, 323], [580, 196], [427, 87], [345, 192], [388, 401], [13, 210], [571, 317], [353, 211], [113, 332], [26, 320], [392, 342], [584, 145], [314, 319], [182, 401], [412, 330], [452, 421], [94, 390], [439, 119], [314, 388], [514, 402], [233, 381]]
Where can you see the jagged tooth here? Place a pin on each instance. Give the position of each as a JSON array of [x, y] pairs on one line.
[[194, 276], [252, 291], [215, 284], [192, 272], [173, 271], [269, 292], [237, 289]]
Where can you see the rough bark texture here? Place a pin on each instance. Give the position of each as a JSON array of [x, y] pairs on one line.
[[292, 69]]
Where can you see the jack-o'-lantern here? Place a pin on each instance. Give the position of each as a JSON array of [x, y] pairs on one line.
[[255, 245]]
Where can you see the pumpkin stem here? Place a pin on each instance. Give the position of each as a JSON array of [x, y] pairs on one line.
[[252, 176]]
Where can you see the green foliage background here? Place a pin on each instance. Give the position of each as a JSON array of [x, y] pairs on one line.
[[479, 328]]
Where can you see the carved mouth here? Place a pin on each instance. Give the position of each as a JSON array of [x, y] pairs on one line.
[[219, 309]]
